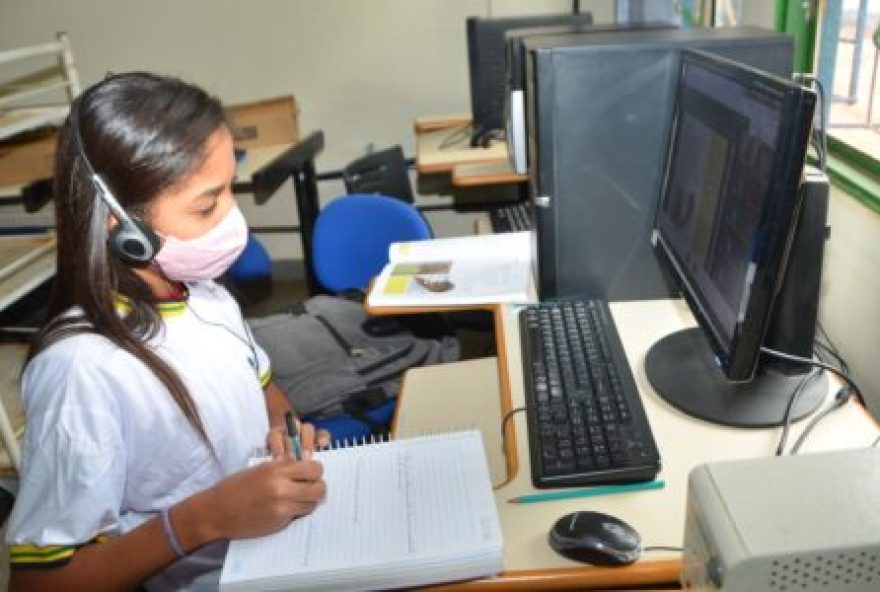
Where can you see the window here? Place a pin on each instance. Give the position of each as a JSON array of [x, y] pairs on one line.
[[849, 50], [839, 40]]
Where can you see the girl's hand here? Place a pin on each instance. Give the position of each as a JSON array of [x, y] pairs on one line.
[[257, 501], [278, 443]]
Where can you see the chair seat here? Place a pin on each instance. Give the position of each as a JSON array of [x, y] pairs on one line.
[[345, 427]]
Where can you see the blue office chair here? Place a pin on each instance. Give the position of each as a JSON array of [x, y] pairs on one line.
[[254, 263], [349, 248], [352, 235]]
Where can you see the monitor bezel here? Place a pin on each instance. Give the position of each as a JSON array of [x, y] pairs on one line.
[[738, 356]]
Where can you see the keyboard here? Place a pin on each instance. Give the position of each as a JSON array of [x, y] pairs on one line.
[[514, 218], [586, 421]]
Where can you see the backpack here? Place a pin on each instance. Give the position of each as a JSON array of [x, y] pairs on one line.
[[330, 357]]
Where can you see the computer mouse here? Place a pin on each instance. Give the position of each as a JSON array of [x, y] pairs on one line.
[[595, 538]]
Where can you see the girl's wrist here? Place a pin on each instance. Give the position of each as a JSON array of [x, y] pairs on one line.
[[193, 523]]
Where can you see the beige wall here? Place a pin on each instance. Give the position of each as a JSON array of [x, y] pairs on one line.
[[850, 307], [362, 70]]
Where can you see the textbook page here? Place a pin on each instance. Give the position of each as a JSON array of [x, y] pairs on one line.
[[505, 246], [396, 514], [456, 271]]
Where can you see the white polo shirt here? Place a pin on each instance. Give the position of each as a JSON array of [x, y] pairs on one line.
[[106, 447]]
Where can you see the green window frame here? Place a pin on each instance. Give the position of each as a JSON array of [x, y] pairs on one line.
[[849, 168]]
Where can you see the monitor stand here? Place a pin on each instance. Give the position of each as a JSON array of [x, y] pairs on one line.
[[681, 368]]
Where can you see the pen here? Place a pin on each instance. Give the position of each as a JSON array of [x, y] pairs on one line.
[[293, 436], [587, 492]]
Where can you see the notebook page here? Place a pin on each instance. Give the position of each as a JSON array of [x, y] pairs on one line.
[[410, 500]]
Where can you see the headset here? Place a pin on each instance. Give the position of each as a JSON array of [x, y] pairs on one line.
[[131, 240]]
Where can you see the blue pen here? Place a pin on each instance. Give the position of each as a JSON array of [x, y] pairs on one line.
[[293, 436]]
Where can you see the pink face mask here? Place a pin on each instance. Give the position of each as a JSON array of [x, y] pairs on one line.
[[204, 257]]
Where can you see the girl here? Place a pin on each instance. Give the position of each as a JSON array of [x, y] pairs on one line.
[[145, 393]]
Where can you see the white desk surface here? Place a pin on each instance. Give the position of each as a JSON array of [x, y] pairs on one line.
[[462, 395]]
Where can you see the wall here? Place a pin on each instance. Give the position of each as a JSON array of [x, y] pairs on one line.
[[362, 71], [850, 306]]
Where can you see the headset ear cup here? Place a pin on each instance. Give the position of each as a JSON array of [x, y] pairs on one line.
[[135, 243], [152, 238]]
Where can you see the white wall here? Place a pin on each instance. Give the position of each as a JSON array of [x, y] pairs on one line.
[[850, 306], [362, 70]]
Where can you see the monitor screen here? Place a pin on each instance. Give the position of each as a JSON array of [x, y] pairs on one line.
[[487, 64], [717, 189], [729, 204]]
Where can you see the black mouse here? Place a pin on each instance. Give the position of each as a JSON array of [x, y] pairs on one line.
[[595, 538]]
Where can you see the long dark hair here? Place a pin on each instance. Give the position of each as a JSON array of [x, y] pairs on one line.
[[143, 133]]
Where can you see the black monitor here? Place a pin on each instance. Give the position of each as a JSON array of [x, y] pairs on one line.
[[742, 236], [487, 65]]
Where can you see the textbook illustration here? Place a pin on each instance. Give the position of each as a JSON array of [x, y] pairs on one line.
[[451, 271]]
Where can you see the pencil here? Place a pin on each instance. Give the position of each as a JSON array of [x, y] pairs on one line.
[[587, 492]]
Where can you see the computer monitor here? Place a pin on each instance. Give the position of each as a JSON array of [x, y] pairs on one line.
[[514, 94], [487, 65], [730, 227]]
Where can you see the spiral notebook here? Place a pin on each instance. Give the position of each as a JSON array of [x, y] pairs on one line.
[[397, 514]]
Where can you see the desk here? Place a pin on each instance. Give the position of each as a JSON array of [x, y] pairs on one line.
[[443, 146], [462, 394], [439, 151]]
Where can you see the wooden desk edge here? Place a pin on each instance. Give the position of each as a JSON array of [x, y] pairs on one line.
[[461, 179], [439, 122], [497, 310], [664, 571]]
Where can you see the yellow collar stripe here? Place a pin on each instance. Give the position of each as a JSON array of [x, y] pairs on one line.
[[166, 309]]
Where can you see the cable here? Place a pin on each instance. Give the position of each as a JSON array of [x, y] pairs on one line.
[[822, 142], [877, 441], [504, 421], [840, 399], [457, 134], [255, 361], [824, 342], [809, 362], [786, 417], [662, 548]]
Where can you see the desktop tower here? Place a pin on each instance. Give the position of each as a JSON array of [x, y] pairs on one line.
[[597, 114]]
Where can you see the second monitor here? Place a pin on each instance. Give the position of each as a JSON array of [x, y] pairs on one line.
[[487, 66]]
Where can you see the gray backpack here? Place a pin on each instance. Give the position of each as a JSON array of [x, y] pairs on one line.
[[326, 353]]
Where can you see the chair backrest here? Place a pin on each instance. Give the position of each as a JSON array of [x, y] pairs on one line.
[[253, 263], [352, 235], [381, 173]]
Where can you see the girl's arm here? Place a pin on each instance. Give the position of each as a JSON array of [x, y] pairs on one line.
[[254, 502], [276, 404]]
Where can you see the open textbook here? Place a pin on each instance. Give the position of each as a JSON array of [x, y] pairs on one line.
[[476, 269], [397, 514]]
